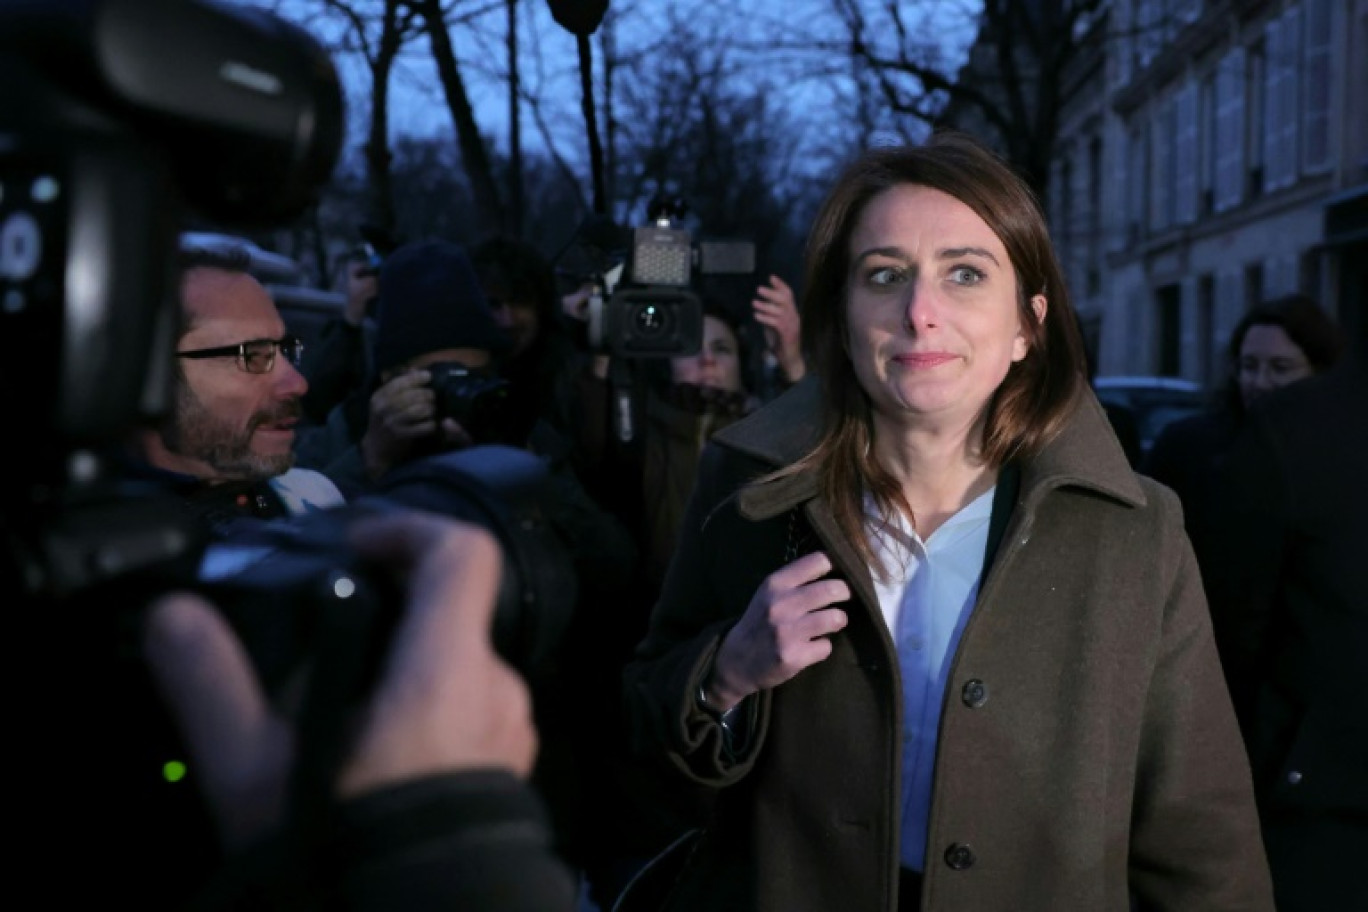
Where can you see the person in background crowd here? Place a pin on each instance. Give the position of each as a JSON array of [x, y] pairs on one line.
[[431, 311], [686, 399], [433, 316], [542, 362], [705, 393], [928, 638], [1285, 572], [339, 364], [226, 449], [1275, 344]]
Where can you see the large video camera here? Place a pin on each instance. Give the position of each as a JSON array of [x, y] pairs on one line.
[[646, 305]]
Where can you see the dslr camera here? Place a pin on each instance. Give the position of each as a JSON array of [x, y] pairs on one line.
[[478, 402]]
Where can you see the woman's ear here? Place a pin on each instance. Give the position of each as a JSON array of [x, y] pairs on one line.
[[1038, 307], [1022, 343]]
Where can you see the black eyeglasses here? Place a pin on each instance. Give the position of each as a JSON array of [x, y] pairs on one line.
[[255, 356]]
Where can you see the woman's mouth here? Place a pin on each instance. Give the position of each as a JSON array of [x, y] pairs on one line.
[[923, 360]]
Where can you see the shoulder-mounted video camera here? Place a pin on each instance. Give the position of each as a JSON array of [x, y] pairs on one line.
[[645, 305]]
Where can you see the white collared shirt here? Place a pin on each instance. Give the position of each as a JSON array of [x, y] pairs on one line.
[[926, 602]]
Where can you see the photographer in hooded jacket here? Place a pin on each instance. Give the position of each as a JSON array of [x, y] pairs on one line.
[[439, 355]]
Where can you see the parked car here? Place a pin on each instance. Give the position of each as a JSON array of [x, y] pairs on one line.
[[1155, 401]]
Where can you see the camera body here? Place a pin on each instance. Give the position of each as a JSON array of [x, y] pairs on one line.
[[120, 115], [295, 589], [476, 401]]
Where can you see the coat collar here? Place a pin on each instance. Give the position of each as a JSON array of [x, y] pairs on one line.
[[1084, 454]]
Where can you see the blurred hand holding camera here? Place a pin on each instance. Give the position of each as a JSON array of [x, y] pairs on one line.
[[403, 415], [421, 719]]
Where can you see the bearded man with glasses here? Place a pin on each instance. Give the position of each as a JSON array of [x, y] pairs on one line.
[[228, 446]]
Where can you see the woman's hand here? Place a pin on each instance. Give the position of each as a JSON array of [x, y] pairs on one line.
[[784, 630]]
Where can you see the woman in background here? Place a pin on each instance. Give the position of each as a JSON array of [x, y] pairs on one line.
[[1276, 344]]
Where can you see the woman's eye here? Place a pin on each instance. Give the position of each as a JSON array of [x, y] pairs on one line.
[[885, 276], [966, 275]]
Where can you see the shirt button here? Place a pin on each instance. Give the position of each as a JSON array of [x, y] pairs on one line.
[[1294, 777], [974, 693], [960, 857], [916, 643]]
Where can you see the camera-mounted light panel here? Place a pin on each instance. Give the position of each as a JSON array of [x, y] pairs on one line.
[[661, 256]]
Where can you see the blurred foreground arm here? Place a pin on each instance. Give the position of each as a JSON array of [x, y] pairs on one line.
[[432, 812]]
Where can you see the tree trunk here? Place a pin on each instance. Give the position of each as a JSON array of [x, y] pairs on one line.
[[515, 165], [489, 211], [378, 157]]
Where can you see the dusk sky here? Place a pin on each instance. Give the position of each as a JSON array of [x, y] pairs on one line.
[[757, 29]]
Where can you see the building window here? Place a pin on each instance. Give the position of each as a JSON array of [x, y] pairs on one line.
[[1136, 189], [1125, 44], [1207, 167], [1207, 343], [1283, 36], [1148, 31], [1161, 178], [1170, 300], [1309, 274], [1230, 130], [1230, 307], [1315, 86], [1254, 286], [1186, 124], [1065, 220], [1185, 11], [1094, 220], [1256, 106]]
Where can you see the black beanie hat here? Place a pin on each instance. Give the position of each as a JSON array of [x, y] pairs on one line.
[[430, 299]]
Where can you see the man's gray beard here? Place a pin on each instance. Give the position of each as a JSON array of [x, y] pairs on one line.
[[195, 433]]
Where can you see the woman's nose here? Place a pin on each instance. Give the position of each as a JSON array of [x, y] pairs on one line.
[[921, 307]]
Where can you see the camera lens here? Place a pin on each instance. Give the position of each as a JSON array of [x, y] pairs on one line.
[[650, 320]]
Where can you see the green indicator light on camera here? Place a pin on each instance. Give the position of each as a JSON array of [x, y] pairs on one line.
[[173, 771]]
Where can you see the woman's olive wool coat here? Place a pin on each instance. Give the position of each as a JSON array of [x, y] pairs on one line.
[[1087, 746]]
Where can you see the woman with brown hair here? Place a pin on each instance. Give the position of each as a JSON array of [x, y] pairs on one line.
[[930, 638]]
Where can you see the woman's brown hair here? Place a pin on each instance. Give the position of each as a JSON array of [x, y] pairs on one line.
[[1038, 392]]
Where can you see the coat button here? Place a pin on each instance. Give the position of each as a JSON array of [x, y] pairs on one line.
[[1294, 777], [974, 693], [960, 857]]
